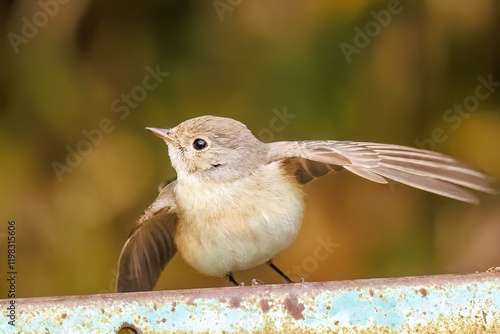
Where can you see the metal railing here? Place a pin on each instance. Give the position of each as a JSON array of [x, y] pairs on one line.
[[468, 303]]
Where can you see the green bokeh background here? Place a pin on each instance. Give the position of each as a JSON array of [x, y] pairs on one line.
[[255, 57]]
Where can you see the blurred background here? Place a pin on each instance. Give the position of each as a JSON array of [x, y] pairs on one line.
[[80, 80]]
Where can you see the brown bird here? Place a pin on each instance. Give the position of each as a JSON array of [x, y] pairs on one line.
[[237, 201]]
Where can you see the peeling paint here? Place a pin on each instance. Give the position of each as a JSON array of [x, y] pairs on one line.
[[423, 292], [293, 307], [265, 305], [235, 302]]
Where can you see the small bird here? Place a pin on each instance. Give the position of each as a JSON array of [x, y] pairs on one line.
[[237, 201]]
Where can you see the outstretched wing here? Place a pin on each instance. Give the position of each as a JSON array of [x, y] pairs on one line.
[[150, 245], [426, 170]]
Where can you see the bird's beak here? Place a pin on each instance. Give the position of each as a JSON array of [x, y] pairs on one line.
[[165, 134]]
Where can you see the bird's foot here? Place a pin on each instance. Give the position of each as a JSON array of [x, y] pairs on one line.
[[257, 282]]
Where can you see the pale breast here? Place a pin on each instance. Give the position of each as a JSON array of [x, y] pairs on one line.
[[235, 226]]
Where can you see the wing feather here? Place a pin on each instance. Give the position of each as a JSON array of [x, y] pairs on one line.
[[426, 170], [150, 245]]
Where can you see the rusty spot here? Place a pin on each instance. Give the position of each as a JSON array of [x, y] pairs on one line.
[[155, 307], [235, 302], [163, 320], [336, 323], [371, 293], [64, 315], [423, 292], [174, 304], [265, 305], [293, 307]]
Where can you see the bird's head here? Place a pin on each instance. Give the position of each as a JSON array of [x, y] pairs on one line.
[[215, 148]]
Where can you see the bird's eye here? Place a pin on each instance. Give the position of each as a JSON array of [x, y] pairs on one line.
[[199, 144]]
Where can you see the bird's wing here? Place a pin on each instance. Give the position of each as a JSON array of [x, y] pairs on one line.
[[426, 170], [150, 245]]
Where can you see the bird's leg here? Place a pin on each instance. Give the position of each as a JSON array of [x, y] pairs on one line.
[[282, 274], [231, 279]]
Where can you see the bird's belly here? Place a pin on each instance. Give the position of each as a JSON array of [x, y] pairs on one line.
[[232, 227]]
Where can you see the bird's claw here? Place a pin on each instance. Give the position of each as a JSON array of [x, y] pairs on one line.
[[257, 282]]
